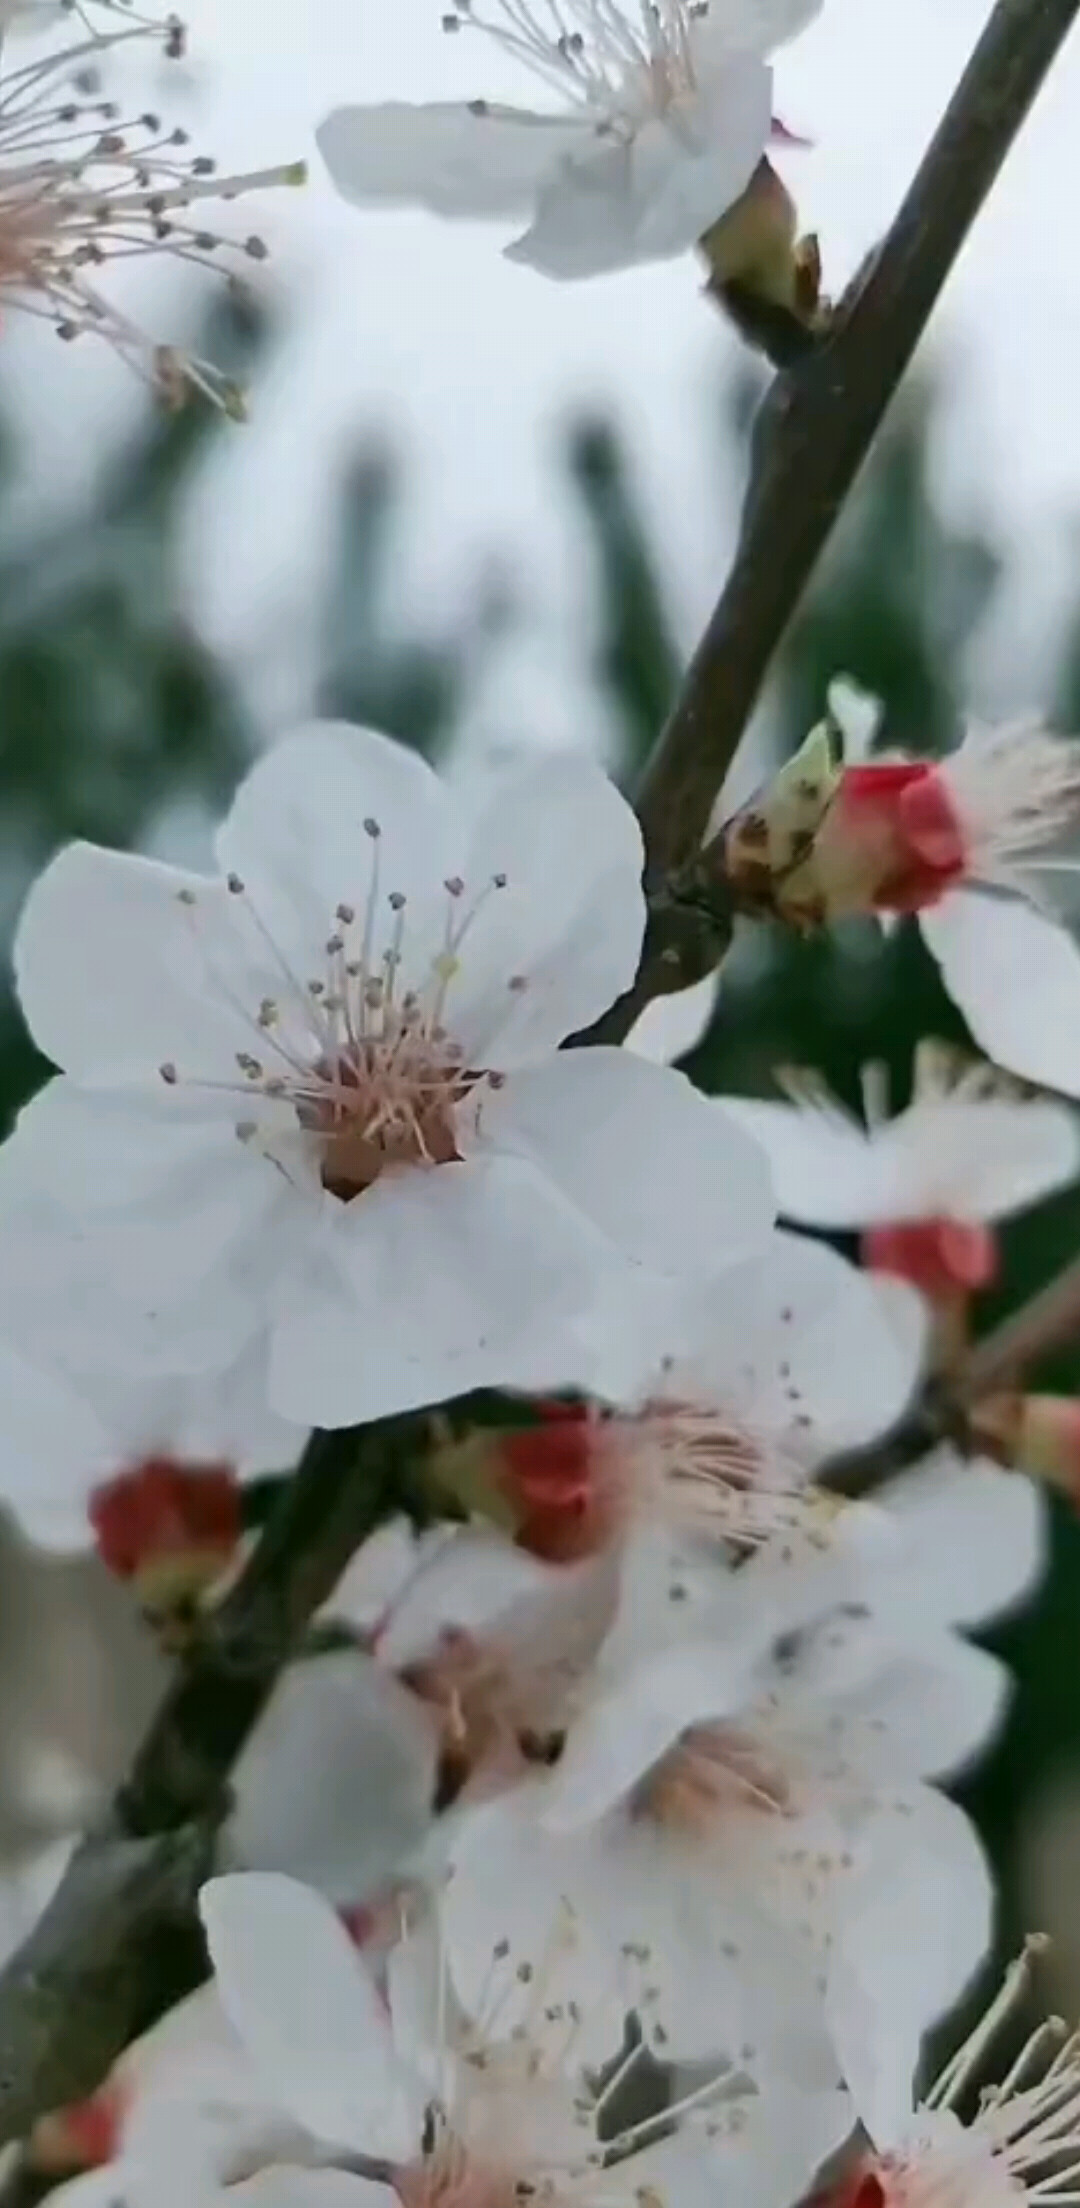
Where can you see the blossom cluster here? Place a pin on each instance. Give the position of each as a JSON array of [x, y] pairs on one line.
[[600, 1850]]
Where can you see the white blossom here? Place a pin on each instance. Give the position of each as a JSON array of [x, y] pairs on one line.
[[1020, 2145], [983, 845], [744, 1388], [928, 1185], [727, 1810], [66, 1434], [408, 2097], [662, 114], [318, 1097]]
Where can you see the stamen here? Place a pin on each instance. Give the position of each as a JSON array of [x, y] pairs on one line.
[[75, 198]]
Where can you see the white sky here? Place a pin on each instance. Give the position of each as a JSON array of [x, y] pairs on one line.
[[408, 324]]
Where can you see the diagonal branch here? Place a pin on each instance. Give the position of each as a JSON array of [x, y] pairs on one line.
[[813, 432]]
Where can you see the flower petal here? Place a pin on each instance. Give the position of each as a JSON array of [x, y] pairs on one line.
[[826, 1170], [671, 1027], [441, 1281], [295, 1990], [336, 1783], [653, 195], [885, 1989], [53, 1448], [568, 923], [1016, 978], [985, 1160], [458, 158], [296, 837], [622, 1733], [290, 2187], [638, 1152], [798, 1344], [974, 1542], [117, 973], [771, 2156]]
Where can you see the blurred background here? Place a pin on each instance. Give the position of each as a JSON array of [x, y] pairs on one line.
[[485, 513]]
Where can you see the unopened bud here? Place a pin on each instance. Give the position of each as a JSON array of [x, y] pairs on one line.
[[170, 1528], [771, 841], [762, 272], [827, 842], [940, 1257]]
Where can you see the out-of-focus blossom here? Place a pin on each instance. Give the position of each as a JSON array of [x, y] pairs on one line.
[[982, 845], [324, 1085], [85, 186], [927, 1186], [663, 116], [1020, 2144], [731, 1812], [147, 1471], [777, 1366], [407, 2097]]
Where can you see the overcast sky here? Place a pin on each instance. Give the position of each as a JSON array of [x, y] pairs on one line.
[[423, 328]]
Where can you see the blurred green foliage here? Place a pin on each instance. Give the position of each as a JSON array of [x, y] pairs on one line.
[[113, 712]]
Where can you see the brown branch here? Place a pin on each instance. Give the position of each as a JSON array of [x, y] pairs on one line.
[[813, 432], [97, 1967], [1048, 1321]]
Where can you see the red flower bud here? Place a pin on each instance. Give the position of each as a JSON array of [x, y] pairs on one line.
[[161, 1512], [938, 1256]]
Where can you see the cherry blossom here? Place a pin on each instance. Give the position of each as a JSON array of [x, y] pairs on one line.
[[147, 1471], [1022, 2142], [407, 2095], [324, 1088], [662, 117], [926, 1186], [982, 846], [727, 1810], [776, 1366]]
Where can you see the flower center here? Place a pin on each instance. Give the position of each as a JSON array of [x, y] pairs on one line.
[[714, 1772], [384, 1104], [368, 1064], [579, 1478], [449, 2177]]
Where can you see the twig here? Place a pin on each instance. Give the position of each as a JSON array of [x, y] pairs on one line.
[[93, 1971], [813, 432], [1048, 1321]]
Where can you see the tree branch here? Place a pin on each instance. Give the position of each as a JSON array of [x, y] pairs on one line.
[[813, 431], [1048, 1321], [96, 1969]]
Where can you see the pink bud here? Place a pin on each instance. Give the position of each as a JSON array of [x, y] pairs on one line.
[[161, 1513], [938, 1256], [891, 840]]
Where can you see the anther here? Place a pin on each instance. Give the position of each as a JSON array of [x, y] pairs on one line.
[[235, 885], [169, 1073]]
